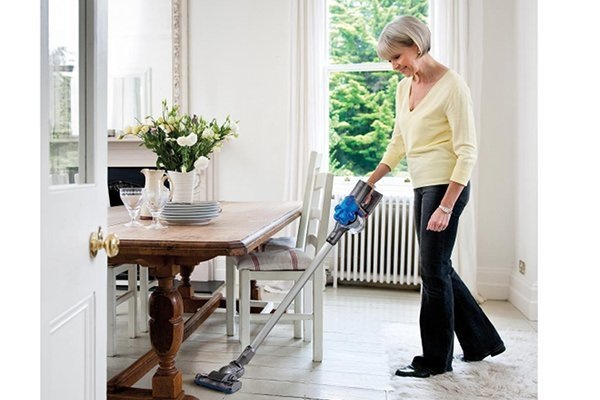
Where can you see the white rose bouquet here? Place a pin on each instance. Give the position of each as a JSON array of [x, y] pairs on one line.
[[182, 142]]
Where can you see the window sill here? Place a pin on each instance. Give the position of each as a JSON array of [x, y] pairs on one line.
[[388, 186], [128, 140]]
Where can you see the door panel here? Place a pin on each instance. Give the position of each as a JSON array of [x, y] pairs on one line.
[[73, 283], [74, 330]]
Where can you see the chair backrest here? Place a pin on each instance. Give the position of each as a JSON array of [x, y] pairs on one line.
[[314, 164], [318, 216]]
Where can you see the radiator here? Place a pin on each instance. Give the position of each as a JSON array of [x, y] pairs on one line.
[[386, 251]]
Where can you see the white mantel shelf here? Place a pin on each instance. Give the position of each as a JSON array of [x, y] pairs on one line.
[[127, 140], [129, 153]]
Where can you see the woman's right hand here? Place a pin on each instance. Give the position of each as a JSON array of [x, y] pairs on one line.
[[367, 199], [381, 171]]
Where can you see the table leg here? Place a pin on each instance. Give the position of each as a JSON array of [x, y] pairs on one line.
[[255, 291], [166, 335], [120, 386], [191, 303], [185, 287]]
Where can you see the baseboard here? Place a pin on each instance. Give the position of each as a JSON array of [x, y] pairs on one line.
[[523, 295], [494, 283]]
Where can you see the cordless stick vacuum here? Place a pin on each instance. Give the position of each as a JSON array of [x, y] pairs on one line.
[[350, 215]]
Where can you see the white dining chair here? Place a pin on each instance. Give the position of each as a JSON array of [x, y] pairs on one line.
[[134, 296], [146, 284], [281, 242], [290, 242], [115, 298], [289, 264]]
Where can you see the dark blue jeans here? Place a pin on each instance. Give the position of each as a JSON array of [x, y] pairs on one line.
[[447, 306]]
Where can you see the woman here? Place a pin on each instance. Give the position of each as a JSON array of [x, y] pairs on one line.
[[435, 130]]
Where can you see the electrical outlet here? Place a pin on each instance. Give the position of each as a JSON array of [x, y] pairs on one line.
[[522, 267]]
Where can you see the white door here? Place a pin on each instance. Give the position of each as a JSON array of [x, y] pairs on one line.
[[74, 199]]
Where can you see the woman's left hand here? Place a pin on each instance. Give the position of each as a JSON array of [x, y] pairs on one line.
[[439, 221]]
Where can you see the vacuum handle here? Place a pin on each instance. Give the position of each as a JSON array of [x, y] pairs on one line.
[[366, 196]]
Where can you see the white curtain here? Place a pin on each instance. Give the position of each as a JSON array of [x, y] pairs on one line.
[[457, 30], [308, 105]]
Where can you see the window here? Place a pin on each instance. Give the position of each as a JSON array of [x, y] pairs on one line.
[[362, 87], [66, 59]]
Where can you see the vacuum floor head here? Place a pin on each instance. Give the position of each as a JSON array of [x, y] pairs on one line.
[[209, 381]]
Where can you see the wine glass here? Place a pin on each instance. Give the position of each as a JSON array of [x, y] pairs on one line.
[[155, 201], [132, 199]]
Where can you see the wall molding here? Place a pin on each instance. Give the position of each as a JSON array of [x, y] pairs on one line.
[[494, 283], [507, 284], [179, 37], [523, 295]]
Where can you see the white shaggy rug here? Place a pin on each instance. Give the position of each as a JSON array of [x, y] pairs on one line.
[[511, 375]]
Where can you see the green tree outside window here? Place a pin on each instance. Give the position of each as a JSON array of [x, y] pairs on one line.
[[362, 103]]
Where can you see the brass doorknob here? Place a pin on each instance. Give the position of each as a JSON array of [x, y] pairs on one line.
[[110, 244]]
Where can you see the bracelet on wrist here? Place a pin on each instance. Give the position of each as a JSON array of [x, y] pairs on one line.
[[446, 210]]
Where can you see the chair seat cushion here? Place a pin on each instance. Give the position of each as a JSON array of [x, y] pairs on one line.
[[276, 260], [280, 243]]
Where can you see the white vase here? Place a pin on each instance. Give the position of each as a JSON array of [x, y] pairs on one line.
[[183, 185]]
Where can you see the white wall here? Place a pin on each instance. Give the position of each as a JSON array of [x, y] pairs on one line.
[[523, 288], [239, 64], [496, 161], [239, 59], [507, 207]]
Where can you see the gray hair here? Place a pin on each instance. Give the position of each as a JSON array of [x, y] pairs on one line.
[[403, 32]]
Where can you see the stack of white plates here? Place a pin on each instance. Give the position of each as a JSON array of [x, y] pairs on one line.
[[191, 214]]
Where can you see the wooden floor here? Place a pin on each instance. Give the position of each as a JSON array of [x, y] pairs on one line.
[[355, 365]]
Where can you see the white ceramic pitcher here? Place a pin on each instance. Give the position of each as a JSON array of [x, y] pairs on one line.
[[155, 180], [183, 185]]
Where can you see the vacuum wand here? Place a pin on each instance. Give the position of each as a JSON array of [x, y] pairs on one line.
[[350, 215]]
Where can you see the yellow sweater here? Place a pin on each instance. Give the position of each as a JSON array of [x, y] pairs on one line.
[[438, 136]]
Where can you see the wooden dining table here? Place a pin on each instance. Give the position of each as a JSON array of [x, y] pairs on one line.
[[240, 229]]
